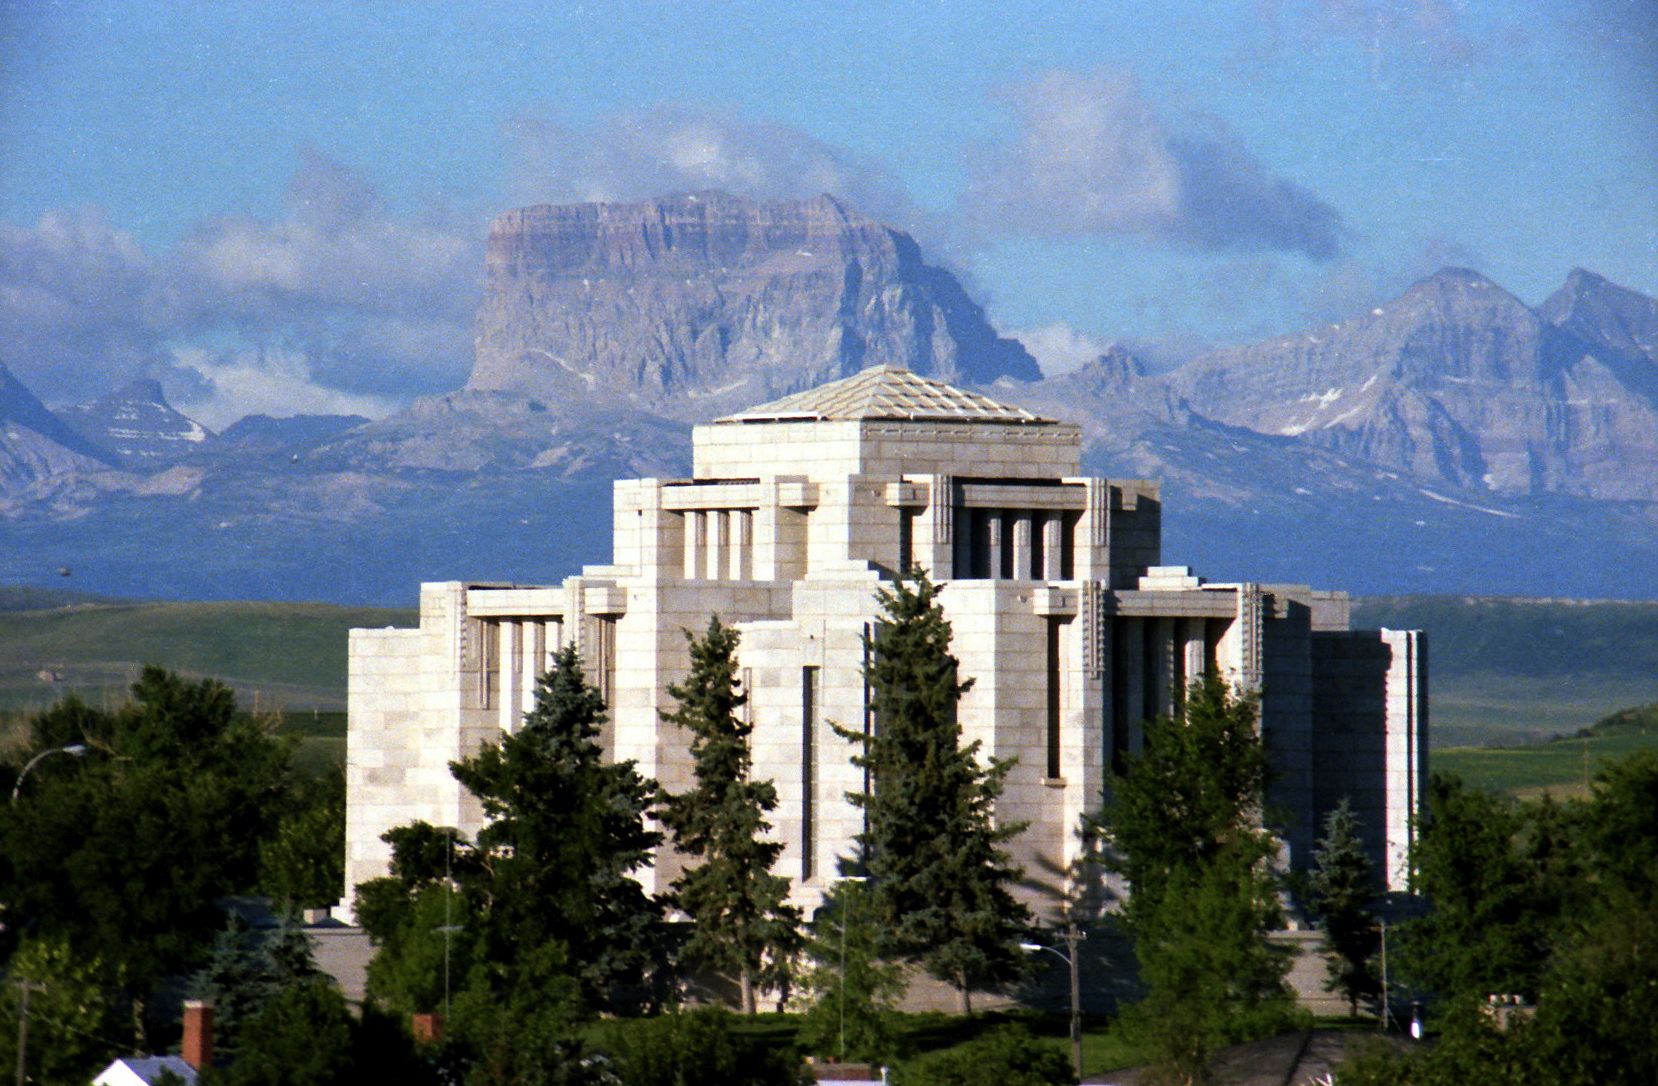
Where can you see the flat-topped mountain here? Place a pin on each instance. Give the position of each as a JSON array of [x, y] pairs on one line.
[[694, 305], [1450, 440]]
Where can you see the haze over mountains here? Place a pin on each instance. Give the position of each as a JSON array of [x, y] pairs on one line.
[[1452, 439]]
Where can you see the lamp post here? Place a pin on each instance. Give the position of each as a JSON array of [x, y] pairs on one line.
[[74, 749], [845, 907], [1069, 957]]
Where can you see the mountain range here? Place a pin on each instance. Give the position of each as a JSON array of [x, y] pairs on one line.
[[1450, 440]]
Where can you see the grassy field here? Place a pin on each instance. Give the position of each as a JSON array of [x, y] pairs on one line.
[[1561, 767], [1503, 672], [275, 655], [1103, 1048]]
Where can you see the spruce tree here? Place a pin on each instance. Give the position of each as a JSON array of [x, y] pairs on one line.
[[566, 834], [1343, 896], [932, 849], [741, 924]]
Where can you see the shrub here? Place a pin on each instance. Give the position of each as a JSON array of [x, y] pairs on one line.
[[1008, 1056]]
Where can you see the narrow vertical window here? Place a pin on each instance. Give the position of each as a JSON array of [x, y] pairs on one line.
[[808, 770], [906, 539], [1053, 697], [489, 664], [1038, 555], [606, 663], [1122, 630]]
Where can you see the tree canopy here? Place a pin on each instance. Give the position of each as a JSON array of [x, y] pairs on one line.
[[122, 852], [741, 923], [932, 849], [1184, 825], [1550, 901], [550, 913]]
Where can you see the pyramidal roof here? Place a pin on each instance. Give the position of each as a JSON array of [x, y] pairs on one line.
[[886, 392]]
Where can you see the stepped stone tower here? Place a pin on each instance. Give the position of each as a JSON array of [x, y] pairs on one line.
[[1073, 630]]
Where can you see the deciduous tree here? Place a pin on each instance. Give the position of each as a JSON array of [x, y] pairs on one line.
[[1185, 825], [122, 853]]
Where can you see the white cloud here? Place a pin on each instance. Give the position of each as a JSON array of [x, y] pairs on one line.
[[1092, 156], [229, 385], [670, 148], [379, 305], [1058, 348]]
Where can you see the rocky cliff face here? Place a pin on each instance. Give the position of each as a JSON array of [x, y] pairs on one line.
[[1457, 381], [694, 305], [34, 443], [137, 424]]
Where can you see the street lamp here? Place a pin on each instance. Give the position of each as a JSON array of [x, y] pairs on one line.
[[1069, 957], [845, 907], [75, 749]]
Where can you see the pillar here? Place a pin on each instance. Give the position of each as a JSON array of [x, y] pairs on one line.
[[1021, 546]]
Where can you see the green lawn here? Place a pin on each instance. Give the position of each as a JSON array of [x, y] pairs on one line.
[[276, 655], [1562, 767], [1103, 1048]]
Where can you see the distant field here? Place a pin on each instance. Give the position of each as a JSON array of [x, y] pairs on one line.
[[1561, 767], [276, 655], [1507, 671], [1501, 672]]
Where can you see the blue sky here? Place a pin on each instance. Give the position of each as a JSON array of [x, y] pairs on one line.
[[283, 210]]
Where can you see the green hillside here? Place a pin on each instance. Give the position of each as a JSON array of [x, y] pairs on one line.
[[276, 655], [1503, 671], [1562, 766]]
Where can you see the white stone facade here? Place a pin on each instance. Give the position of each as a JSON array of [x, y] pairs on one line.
[[1072, 629]]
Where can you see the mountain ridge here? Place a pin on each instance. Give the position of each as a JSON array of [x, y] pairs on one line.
[[1449, 440]]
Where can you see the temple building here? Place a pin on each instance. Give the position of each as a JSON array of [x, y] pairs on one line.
[[1072, 628]]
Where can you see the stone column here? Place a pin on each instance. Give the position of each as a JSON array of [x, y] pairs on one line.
[[552, 639], [994, 518], [1021, 546], [715, 520], [693, 544], [1053, 544], [530, 634], [1162, 647], [1196, 648], [740, 545], [508, 675]]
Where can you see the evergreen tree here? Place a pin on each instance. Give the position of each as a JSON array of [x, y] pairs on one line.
[[1184, 824], [247, 969], [566, 833], [932, 849], [551, 910], [742, 926], [1343, 896]]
